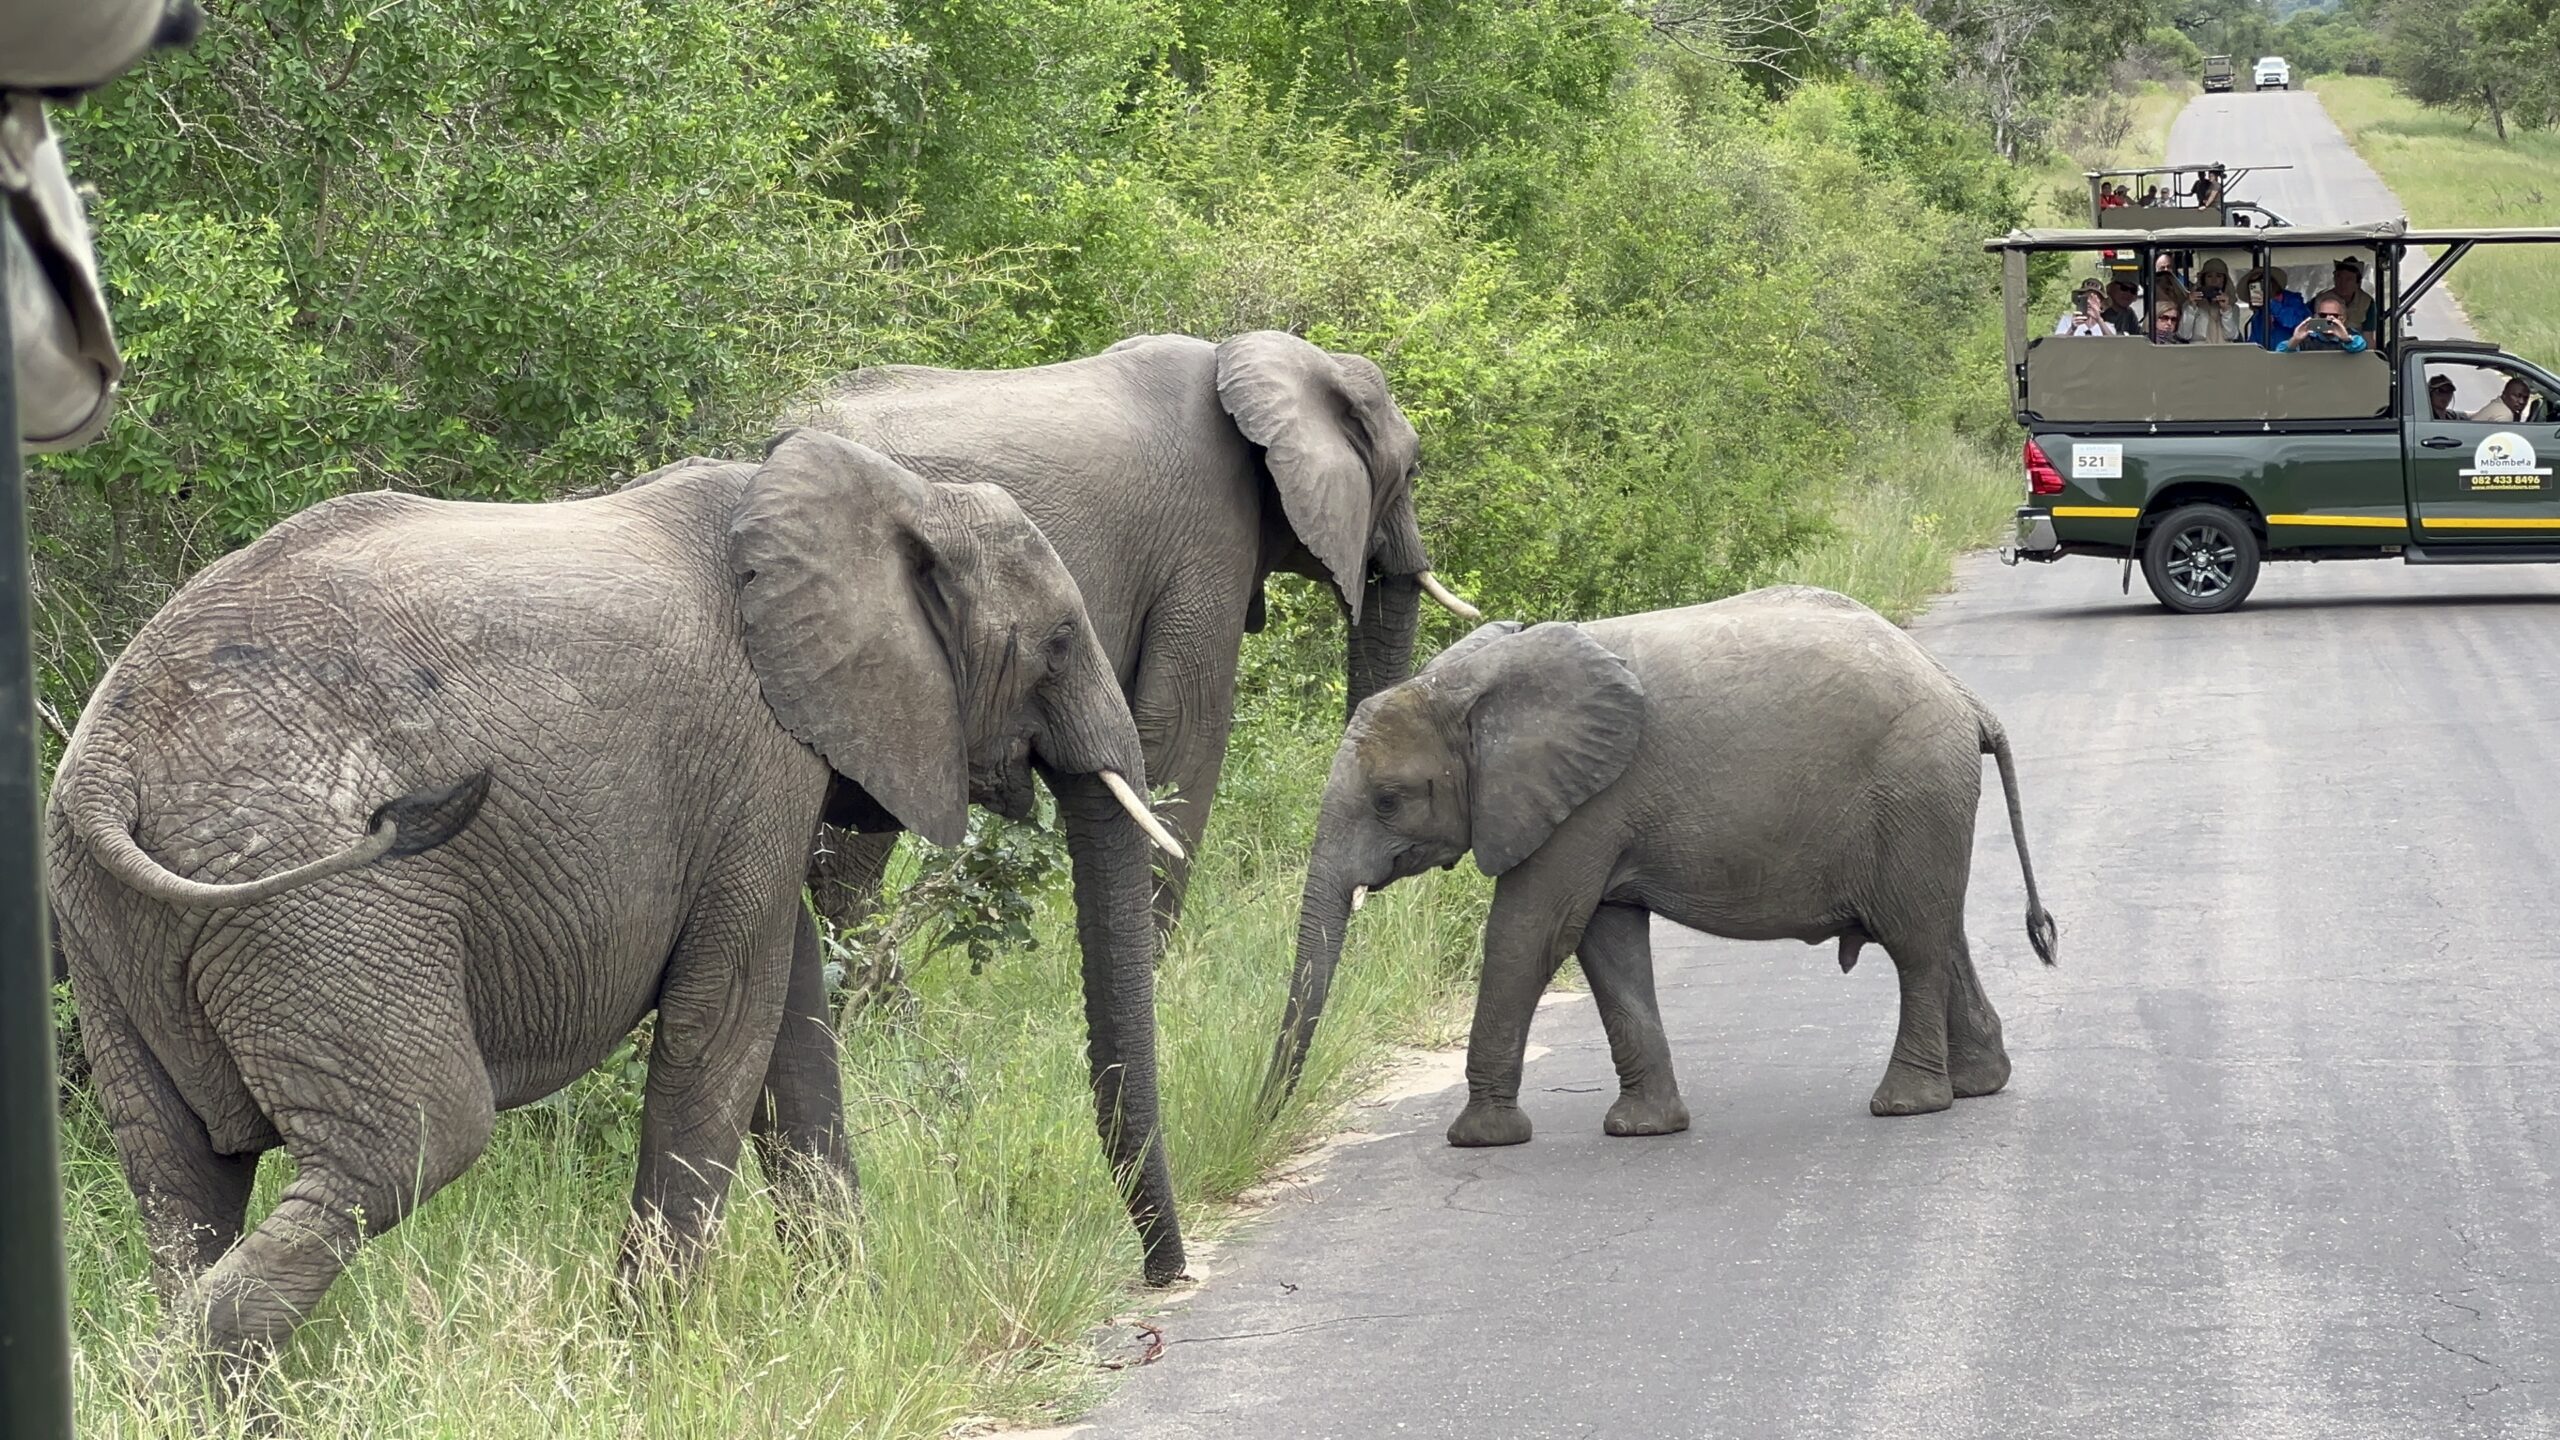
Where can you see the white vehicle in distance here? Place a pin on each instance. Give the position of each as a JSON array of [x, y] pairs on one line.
[[2273, 71]]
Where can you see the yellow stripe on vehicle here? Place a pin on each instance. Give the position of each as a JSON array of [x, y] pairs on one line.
[[2096, 512], [2361, 522], [2476, 522]]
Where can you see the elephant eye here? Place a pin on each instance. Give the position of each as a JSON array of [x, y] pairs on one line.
[[1386, 804]]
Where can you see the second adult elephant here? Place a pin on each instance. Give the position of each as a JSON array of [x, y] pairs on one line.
[[1780, 765], [1174, 476]]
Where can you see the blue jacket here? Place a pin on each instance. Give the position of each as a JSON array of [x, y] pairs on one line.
[[2275, 322]]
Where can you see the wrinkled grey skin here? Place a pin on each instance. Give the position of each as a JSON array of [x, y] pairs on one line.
[[1174, 476], [613, 724], [1780, 765]]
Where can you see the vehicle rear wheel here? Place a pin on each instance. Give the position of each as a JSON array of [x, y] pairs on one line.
[[2201, 560]]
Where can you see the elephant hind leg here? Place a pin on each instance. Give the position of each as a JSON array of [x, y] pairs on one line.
[[1977, 1058], [194, 1199], [1617, 958], [1916, 1081], [379, 1092]]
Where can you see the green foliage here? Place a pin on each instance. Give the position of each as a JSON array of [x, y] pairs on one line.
[[980, 895]]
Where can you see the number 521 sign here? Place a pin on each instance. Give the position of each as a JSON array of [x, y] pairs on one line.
[[2097, 462]]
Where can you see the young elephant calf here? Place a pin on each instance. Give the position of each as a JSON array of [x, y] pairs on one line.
[[614, 724], [1780, 765]]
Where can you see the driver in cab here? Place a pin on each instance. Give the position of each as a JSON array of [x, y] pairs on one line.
[[2514, 406]]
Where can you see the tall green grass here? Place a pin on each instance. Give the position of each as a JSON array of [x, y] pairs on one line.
[[2449, 171], [1898, 522]]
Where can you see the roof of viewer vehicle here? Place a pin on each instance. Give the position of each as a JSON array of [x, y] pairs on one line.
[[2137, 171], [2211, 237]]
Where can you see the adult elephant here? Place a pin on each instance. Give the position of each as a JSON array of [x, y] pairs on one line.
[[1174, 476], [611, 726], [1779, 765]]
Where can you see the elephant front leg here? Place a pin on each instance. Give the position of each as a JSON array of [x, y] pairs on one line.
[[1617, 958], [1527, 936], [845, 869], [799, 1124], [719, 1010], [1183, 701]]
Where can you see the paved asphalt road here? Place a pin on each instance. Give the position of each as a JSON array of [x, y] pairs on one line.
[[2281, 1156]]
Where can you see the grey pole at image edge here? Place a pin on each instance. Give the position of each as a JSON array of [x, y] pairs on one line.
[[35, 1314]]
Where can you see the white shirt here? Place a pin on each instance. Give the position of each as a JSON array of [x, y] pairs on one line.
[[2499, 412], [2075, 323], [2202, 323]]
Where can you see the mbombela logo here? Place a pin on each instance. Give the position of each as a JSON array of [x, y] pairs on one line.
[[2505, 461]]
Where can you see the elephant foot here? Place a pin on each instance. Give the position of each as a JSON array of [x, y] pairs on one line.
[[1485, 1123], [1981, 1072], [1642, 1112], [1907, 1091]]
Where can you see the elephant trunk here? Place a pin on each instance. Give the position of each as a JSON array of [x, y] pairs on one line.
[[1324, 911], [1115, 928], [1095, 768], [1378, 652], [1088, 728]]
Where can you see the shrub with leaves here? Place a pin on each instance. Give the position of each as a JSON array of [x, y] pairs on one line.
[[979, 896]]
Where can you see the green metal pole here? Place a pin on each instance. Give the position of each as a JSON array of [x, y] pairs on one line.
[[35, 1311]]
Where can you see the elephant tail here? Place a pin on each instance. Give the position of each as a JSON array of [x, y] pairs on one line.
[[411, 825], [2041, 932]]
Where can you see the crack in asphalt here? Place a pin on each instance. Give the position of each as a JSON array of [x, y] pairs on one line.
[[1296, 1329]]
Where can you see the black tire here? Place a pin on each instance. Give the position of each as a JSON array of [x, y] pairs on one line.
[[2201, 560]]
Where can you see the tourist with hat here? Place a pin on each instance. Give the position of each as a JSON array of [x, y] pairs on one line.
[[2346, 285], [2087, 315], [2279, 312], [2440, 399], [2214, 316]]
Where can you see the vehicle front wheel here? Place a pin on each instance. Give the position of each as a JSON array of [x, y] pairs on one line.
[[2201, 560]]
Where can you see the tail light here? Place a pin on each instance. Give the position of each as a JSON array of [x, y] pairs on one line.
[[2042, 478]]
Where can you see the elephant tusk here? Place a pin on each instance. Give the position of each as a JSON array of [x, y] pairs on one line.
[[1432, 587], [1359, 897], [1136, 804]]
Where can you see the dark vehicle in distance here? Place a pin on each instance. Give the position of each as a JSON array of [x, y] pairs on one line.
[[2217, 73], [2203, 460]]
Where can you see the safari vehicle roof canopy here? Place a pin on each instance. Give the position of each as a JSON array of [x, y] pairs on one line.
[[2206, 237], [2130, 379], [2144, 217]]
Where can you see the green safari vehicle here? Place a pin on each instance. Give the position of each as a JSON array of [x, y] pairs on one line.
[[2202, 460]]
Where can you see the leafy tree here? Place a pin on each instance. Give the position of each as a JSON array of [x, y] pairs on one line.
[[2437, 56]]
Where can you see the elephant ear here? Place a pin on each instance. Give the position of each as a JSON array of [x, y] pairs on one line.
[[1296, 402], [1552, 720], [846, 626], [1474, 640]]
